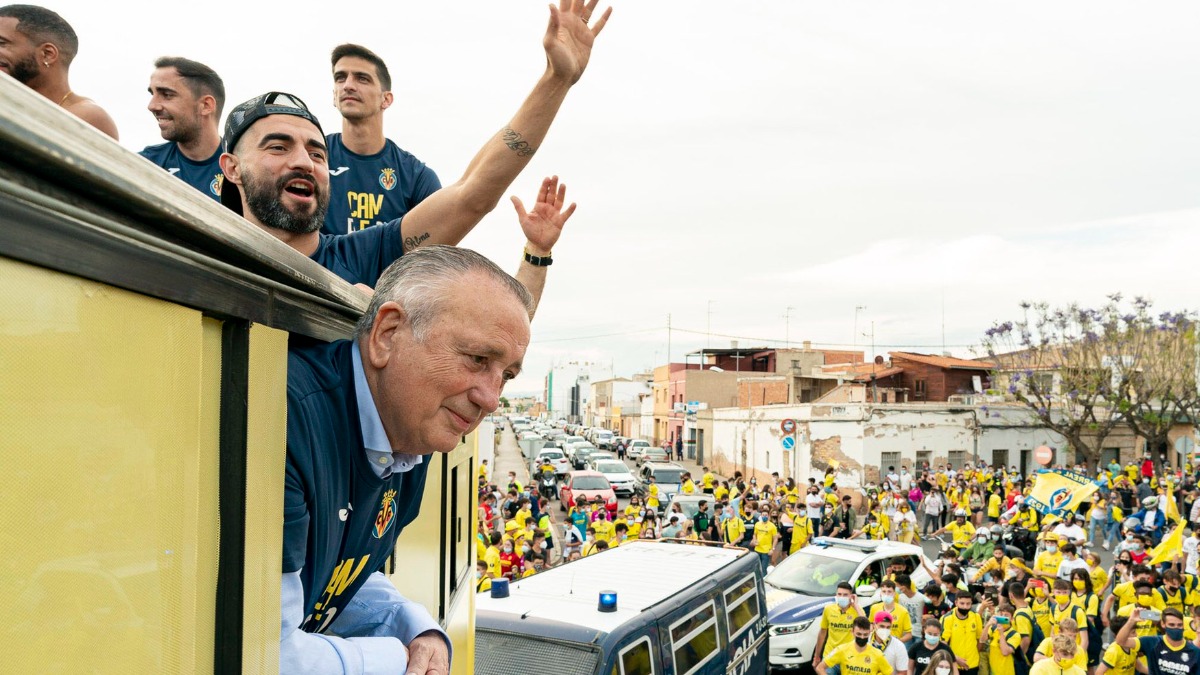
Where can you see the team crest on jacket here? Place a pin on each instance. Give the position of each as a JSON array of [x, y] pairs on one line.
[[215, 186], [387, 514], [387, 179]]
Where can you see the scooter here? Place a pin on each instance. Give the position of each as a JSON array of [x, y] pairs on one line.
[[548, 486]]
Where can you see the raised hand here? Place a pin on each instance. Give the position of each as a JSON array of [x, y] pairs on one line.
[[543, 224], [568, 40]]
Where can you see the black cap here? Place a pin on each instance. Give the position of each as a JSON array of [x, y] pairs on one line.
[[246, 114]]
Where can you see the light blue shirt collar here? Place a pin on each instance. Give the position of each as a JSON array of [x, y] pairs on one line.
[[383, 460]]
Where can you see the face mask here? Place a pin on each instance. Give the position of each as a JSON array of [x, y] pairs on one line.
[[542, 545], [883, 634], [1062, 598], [1144, 600], [1136, 546], [1079, 585], [1051, 548], [943, 670], [932, 641], [508, 549], [962, 613], [1174, 634], [842, 601], [861, 642], [887, 598], [1064, 664]]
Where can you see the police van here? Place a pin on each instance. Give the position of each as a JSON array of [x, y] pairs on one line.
[[643, 608]]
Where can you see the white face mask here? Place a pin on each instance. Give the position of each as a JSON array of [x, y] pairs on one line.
[[887, 598], [883, 633], [943, 670]]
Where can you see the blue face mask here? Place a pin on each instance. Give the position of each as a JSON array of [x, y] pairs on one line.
[[1174, 634]]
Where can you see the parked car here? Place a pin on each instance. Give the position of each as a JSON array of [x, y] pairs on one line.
[[589, 485], [689, 504], [636, 447], [617, 474], [666, 476], [600, 455], [603, 439], [653, 454], [580, 453], [799, 588]]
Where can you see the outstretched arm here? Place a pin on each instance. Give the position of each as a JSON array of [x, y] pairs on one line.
[[542, 226], [450, 213]]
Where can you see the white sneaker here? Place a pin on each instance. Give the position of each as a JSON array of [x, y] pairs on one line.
[[1105, 545]]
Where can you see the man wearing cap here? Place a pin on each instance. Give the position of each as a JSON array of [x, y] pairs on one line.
[[186, 99], [891, 646], [372, 180], [277, 172]]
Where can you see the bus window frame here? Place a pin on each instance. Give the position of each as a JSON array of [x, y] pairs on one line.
[[752, 594], [629, 647], [710, 604]]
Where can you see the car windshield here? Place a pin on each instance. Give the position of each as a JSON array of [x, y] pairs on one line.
[[552, 455], [811, 573], [590, 483], [689, 506], [611, 467], [640, 444], [667, 476]]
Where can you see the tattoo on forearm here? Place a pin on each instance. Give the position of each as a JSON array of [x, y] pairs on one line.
[[517, 143], [411, 243]]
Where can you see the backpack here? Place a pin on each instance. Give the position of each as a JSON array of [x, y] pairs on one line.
[[1035, 634]]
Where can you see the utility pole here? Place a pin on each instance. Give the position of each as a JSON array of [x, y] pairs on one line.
[[708, 337], [787, 319], [668, 343], [857, 309]]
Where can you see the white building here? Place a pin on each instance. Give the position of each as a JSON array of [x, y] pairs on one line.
[[568, 387], [858, 440]]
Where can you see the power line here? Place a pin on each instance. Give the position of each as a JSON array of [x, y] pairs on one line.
[[750, 339]]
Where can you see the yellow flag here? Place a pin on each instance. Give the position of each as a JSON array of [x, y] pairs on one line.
[[1171, 507], [1057, 491], [1170, 547]]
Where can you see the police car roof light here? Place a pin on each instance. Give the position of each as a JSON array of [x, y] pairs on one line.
[[499, 588], [608, 601]]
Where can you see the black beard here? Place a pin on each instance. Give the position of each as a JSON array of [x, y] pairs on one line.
[[264, 202], [25, 70]]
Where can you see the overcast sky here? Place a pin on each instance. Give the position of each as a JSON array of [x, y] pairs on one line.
[[920, 159]]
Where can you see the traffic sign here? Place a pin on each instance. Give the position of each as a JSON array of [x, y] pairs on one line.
[[788, 425], [789, 442], [1043, 455], [1184, 445]]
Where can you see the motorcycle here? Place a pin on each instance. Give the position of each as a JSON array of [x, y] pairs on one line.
[[548, 485]]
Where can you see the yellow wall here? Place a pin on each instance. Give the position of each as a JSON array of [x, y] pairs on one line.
[[109, 526]]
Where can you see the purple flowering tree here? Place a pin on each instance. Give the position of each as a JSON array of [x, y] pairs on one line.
[[1083, 372]]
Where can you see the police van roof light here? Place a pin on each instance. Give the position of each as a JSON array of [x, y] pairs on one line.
[[499, 588], [608, 601]]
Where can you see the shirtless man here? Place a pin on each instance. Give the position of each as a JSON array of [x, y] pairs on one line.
[[36, 48]]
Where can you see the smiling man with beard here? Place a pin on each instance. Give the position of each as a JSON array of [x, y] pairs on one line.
[[36, 49], [186, 98], [277, 169]]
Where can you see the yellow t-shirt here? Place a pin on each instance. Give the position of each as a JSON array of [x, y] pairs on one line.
[[708, 479], [963, 636], [1143, 628], [1047, 649], [1001, 664], [1071, 611], [720, 493], [870, 661], [765, 533], [901, 619], [963, 533], [604, 530], [993, 509], [1124, 593], [838, 625], [992, 565], [492, 557], [652, 495], [1121, 661], [1041, 613], [801, 531], [1048, 562], [484, 584], [1173, 600], [735, 529], [1099, 578], [689, 488]]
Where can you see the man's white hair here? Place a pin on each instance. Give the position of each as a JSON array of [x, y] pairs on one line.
[[419, 282]]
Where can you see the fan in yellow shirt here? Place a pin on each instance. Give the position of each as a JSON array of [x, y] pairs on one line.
[[838, 620], [1120, 659], [857, 656], [1062, 661], [962, 629], [1146, 598], [1003, 641]]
